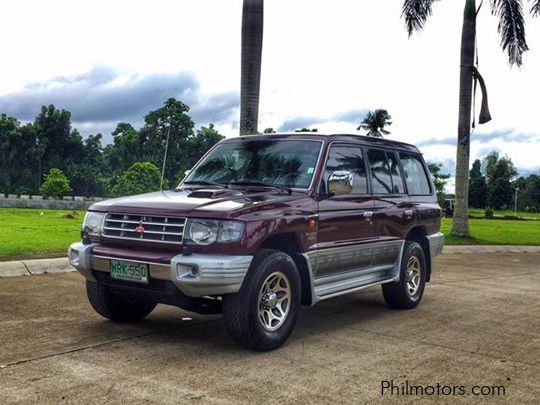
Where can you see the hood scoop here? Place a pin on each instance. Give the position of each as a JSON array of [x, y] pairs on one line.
[[212, 193]]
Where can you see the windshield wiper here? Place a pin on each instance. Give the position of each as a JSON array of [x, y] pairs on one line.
[[260, 184], [205, 183]]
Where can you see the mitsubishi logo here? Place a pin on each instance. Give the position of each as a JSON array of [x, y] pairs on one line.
[[140, 228]]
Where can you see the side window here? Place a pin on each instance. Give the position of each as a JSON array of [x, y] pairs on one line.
[[351, 159], [415, 174], [397, 180], [381, 177]]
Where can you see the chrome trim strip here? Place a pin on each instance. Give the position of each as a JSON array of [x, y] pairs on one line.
[[163, 242], [133, 230], [148, 223]]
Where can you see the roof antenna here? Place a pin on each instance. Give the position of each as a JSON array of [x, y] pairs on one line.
[[165, 157]]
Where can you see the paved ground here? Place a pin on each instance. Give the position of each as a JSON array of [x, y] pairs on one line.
[[478, 325]]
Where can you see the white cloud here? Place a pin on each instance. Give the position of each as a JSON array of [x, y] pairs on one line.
[[320, 59]]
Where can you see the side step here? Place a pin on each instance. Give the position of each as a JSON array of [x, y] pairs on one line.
[[344, 283]]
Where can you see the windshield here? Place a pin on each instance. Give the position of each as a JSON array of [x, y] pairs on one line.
[[282, 163]]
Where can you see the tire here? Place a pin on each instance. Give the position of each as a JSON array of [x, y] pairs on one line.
[[249, 314], [114, 306], [401, 294]]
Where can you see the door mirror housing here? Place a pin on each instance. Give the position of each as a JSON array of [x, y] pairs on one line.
[[187, 172], [340, 182]]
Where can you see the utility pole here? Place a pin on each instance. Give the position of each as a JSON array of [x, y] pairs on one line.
[[515, 201], [165, 154]]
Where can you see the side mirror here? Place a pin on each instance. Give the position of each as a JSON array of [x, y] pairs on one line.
[[187, 172], [340, 182]]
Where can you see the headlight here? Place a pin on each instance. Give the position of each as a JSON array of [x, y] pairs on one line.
[[203, 231], [93, 223], [230, 231], [208, 231]]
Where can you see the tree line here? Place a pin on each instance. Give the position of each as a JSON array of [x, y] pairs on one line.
[[29, 151], [493, 183]]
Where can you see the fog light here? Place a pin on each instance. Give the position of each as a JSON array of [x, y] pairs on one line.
[[74, 258], [187, 271]]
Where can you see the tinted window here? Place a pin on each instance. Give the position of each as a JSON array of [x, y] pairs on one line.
[[351, 159], [288, 163], [415, 175], [397, 180], [381, 178]]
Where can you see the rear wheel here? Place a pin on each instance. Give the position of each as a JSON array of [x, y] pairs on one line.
[[408, 291], [262, 315], [114, 306]]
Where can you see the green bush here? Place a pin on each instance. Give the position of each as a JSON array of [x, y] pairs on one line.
[[56, 184], [488, 214], [142, 177]]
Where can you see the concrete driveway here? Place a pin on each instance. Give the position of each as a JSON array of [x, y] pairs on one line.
[[479, 325]]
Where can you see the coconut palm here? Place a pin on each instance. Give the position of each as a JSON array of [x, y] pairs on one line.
[[374, 123], [250, 79], [512, 33]]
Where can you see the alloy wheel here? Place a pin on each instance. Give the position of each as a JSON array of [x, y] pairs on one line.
[[274, 301], [412, 275]]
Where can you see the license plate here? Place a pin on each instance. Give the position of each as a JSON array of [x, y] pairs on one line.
[[129, 271]]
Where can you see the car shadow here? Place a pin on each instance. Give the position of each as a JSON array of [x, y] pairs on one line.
[[208, 333]]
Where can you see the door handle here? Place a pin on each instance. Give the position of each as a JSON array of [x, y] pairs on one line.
[[409, 214], [368, 216]]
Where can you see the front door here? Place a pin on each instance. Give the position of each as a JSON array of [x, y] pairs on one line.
[[345, 218]]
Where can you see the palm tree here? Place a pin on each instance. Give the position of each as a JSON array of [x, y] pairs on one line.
[[374, 123], [250, 77], [512, 32]]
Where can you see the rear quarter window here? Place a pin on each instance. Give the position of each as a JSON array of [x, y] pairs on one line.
[[415, 174], [385, 175]]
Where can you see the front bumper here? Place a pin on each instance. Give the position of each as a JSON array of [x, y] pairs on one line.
[[195, 275], [436, 243]]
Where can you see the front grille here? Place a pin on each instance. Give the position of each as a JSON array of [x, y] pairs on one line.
[[147, 228]]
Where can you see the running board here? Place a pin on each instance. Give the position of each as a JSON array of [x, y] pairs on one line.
[[333, 286]]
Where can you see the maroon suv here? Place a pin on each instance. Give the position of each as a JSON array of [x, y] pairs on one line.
[[263, 224]]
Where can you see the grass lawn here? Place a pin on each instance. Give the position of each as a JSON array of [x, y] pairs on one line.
[[32, 233], [495, 232], [478, 212], [25, 232]]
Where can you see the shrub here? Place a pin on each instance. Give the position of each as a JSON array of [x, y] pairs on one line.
[[56, 184], [488, 214], [71, 215], [142, 177]]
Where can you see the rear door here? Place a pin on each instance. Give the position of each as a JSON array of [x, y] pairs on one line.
[[392, 211], [345, 228]]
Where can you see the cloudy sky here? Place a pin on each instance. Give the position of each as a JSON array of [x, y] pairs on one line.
[[324, 65]]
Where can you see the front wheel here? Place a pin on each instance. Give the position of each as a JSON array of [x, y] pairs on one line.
[[262, 315], [408, 291]]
